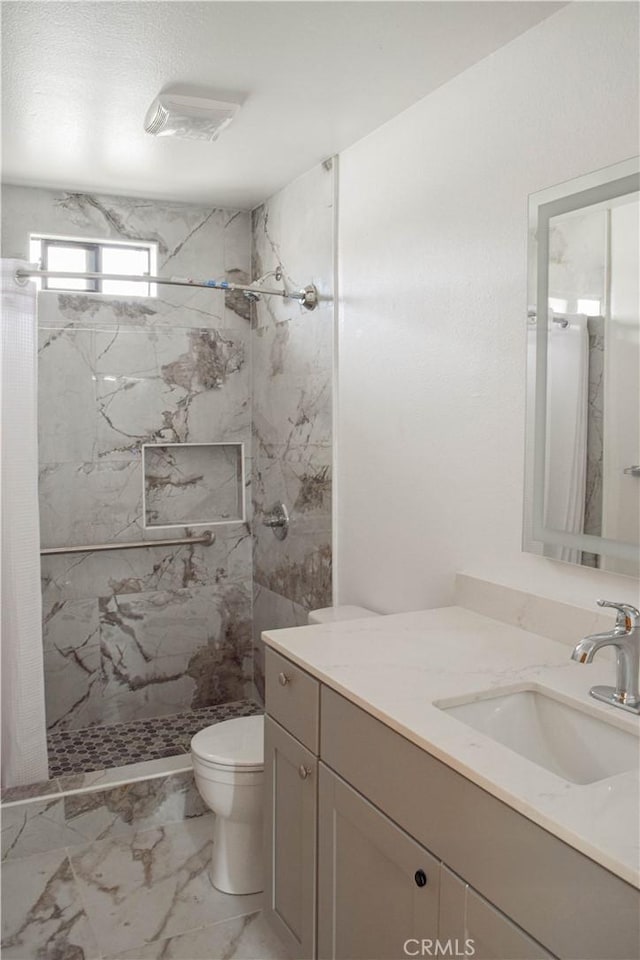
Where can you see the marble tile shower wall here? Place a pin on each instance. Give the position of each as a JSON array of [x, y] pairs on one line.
[[292, 405], [135, 634]]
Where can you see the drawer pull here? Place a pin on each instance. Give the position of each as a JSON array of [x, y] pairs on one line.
[[420, 878], [303, 772], [283, 679]]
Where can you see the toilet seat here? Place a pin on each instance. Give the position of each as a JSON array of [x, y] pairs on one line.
[[233, 745]]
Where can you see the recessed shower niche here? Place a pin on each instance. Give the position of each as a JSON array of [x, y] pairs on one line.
[[186, 484]]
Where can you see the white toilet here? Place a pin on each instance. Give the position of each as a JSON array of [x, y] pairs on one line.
[[228, 765]]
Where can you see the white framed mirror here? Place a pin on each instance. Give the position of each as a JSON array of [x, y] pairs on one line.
[[582, 492]]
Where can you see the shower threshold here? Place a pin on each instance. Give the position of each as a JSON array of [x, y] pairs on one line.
[[119, 744]]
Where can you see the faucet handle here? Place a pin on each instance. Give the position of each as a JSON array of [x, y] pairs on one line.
[[628, 615]]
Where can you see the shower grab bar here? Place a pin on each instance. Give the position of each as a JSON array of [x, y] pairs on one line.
[[207, 538]]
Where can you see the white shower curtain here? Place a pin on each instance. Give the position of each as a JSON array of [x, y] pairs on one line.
[[566, 454], [24, 744]]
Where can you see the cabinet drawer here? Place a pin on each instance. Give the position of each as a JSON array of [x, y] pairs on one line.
[[571, 905], [292, 698]]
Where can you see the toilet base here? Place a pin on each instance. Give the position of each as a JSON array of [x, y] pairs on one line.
[[236, 860]]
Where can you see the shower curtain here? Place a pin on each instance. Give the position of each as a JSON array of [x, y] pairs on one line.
[[566, 454], [24, 744]]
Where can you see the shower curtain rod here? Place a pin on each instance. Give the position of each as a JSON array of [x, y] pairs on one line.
[[307, 298]]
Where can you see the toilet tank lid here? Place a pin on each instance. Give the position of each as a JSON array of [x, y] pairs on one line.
[[237, 742], [339, 613]]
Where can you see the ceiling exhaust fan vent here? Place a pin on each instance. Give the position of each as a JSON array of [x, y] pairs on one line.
[[188, 117]]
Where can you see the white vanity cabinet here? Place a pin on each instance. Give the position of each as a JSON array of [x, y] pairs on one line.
[[380, 810]]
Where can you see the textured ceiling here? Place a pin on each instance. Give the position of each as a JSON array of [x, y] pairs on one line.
[[78, 78]]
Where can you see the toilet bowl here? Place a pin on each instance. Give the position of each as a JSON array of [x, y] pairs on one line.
[[228, 766]]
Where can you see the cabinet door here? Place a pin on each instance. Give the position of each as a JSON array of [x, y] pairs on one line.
[[474, 928], [377, 888], [495, 936], [290, 839]]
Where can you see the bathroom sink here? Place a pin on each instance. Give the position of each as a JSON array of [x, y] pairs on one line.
[[570, 743]]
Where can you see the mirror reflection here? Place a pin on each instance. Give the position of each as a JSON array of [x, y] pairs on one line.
[[584, 384]]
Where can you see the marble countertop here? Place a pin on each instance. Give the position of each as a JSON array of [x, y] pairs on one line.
[[397, 667]]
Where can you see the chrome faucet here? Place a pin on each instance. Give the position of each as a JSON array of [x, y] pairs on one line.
[[625, 637]]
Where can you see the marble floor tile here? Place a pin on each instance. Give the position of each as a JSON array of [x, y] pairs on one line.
[[153, 885], [42, 914], [43, 788], [75, 819], [37, 827], [244, 938]]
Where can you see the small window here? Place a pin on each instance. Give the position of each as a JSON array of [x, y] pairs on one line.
[[71, 255]]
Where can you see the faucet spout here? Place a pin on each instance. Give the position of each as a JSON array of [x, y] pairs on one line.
[[586, 649], [625, 637]]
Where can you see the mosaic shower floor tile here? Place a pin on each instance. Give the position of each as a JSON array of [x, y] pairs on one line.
[[102, 747]]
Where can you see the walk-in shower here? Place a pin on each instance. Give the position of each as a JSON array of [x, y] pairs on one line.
[[165, 435]]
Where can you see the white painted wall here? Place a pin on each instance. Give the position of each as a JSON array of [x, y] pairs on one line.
[[432, 250]]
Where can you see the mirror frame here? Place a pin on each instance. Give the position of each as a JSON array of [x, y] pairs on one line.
[[597, 187]]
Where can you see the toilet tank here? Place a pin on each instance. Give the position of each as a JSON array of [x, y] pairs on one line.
[[336, 614]]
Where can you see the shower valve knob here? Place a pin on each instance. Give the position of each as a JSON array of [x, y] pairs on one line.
[[278, 519]]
